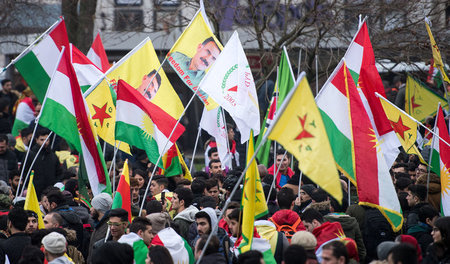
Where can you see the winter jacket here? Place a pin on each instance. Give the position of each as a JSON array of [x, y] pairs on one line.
[[72, 221], [422, 233], [434, 189], [138, 245], [437, 254], [60, 260], [99, 233], [272, 171], [8, 162], [215, 258], [278, 241], [184, 219], [13, 247], [351, 230], [413, 216], [286, 217]]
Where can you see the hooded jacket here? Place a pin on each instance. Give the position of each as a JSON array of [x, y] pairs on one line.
[[138, 245], [434, 189], [271, 171], [278, 241], [184, 219], [287, 217]]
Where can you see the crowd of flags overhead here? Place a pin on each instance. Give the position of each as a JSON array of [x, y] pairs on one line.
[[83, 96]]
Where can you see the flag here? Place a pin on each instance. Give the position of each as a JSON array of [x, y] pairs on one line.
[[140, 249], [24, 115], [97, 54], [420, 101], [253, 202], [258, 243], [193, 54], [213, 122], [285, 82], [87, 72], [38, 64], [333, 105], [137, 68], [301, 131], [436, 53], [360, 61], [32, 203], [230, 83], [171, 162], [65, 112], [143, 124], [178, 248], [122, 197], [440, 160], [374, 183], [405, 127]]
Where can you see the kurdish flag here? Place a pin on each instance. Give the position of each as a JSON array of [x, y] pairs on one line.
[[65, 112], [178, 248], [122, 197], [405, 127], [97, 54], [24, 115], [374, 183], [361, 64], [171, 162], [436, 54], [440, 160], [301, 131], [37, 65], [32, 203], [253, 201], [87, 72], [143, 124], [285, 82], [420, 101]]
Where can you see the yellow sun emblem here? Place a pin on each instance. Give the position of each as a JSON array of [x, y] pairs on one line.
[[147, 127], [374, 139], [445, 180]]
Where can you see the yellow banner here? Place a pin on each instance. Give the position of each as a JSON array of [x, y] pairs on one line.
[[436, 54]]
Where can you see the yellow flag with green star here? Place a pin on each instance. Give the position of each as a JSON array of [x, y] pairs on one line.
[[253, 201]]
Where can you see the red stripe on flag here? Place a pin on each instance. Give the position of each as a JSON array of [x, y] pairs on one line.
[[59, 35], [80, 58], [338, 81], [444, 149], [98, 48], [160, 118]]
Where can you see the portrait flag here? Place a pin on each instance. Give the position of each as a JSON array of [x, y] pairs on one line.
[[193, 54], [230, 83], [300, 130]]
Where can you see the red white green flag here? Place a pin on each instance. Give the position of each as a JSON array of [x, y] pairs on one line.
[[122, 197], [97, 54]]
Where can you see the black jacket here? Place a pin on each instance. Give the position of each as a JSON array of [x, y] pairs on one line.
[[8, 161], [13, 247]]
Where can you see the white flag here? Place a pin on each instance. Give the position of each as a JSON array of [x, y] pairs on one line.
[[230, 83]]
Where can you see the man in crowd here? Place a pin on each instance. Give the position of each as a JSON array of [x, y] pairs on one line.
[[139, 238], [282, 166], [32, 224], [334, 252], [101, 204], [8, 160], [12, 247], [53, 220], [185, 211], [54, 248]]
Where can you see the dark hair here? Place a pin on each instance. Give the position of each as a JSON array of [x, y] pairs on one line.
[[157, 76], [153, 206], [281, 152], [140, 172], [186, 195], [285, 197], [198, 186], [250, 257], [210, 39], [212, 161], [18, 218], [404, 253], [235, 214], [273, 194], [418, 190], [42, 132], [119, 212], [139, 223], [200, 174], [311, 214], [234, 205], [213, 246], [400, 165], [183, 182], [26, 132], [218, 177], [71, 186], [56, 196], [402, 183], [113, 252], [207, 201], [294, 254], [31, 214], [3, 137], [319, 195], [211, 183], [133, 182], [203, 214], [12, 174], [339, 249], [443, 224], [49, 189], [211, 151], [4, 81], [159, 255], [161, 180], [427, 211], [31, 254]]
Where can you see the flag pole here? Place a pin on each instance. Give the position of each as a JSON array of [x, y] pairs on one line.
[[300, 183], [32, 44], [228, 141], [32, 163], [431, 152], [299, 61], [275, 177], [164, 150], [36, 121], [195, 148], [412, 118], [317, 76], [237, 185]]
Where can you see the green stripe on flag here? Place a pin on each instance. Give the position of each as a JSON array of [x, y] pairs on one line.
[[189, 251], [355, 76], [34, 74], [18, 125], [117, 202]]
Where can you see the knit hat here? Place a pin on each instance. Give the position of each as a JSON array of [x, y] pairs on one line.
[[5, 201], [384, 248], [54, 243], [158, 220], [308, 188], [305, 239], [4, 188], [102, 202]]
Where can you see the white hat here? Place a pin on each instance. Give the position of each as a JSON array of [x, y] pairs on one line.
[[54, 243]]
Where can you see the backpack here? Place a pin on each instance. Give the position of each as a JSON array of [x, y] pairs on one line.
[[288, 230]]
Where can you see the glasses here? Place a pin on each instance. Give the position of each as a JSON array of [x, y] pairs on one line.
[[114, 223]]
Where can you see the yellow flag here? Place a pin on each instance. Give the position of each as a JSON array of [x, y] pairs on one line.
[[436, 53], [187, 173], [300, 129], [139, 70], [404, 127], [32, 204], [192, 55], [253, 201], [420, 102]]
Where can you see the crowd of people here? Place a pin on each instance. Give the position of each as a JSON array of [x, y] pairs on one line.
[[304, 224]]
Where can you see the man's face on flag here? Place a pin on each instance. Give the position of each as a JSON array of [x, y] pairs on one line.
[[205, 56]]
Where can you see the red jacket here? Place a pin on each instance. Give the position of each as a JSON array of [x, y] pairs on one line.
[[287, 217], [272, 171]]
